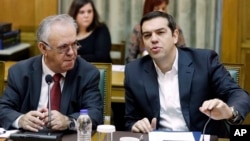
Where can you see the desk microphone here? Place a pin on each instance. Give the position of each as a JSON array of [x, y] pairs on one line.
[[31, 136], [48, 80]]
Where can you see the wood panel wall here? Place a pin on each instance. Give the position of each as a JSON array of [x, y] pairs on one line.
[[235, 47], [26, 16]]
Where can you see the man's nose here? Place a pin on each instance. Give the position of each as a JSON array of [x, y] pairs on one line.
[[154, 37]]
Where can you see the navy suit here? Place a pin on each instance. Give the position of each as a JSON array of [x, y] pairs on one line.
[[80, 90], [201, 77]]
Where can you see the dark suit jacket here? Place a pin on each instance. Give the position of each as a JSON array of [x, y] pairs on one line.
[[80, 91], [201, 77]]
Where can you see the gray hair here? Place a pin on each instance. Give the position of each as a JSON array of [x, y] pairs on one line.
[[43, 30]]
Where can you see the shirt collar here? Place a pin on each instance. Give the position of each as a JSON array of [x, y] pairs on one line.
[[47, 70], [175, 64]]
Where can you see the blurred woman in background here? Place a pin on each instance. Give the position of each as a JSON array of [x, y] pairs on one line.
[[93, 35], [136, 48]]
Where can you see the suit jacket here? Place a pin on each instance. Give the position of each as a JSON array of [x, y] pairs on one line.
[[80, 91], [201, 77]]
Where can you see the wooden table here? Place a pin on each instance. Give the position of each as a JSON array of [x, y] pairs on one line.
[[16, 52], [71, 137], [116, 136]]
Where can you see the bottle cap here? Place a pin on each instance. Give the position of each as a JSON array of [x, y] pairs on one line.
[[84, 111], [106, 128]]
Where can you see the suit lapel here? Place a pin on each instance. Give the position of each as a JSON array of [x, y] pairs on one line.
[[185, 74], [66, 92], [35, 83], [151, 87]]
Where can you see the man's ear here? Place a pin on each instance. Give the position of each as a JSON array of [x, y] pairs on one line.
[[176, 35], [42, 48]]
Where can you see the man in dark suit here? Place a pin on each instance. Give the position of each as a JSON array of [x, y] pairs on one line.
[[178, 89], [25, 100]]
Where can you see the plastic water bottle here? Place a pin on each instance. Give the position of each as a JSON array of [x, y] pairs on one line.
[[84, 126]]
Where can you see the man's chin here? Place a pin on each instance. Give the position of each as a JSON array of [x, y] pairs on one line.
[[69, 65]]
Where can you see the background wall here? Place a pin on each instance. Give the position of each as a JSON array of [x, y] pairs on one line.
[[26, 16]]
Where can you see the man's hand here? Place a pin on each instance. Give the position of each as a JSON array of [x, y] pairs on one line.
[[216, 109], [58, 121], [33, 120], [144, 125]]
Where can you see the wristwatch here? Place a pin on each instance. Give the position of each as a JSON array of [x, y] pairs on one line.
[[235, 119], [71, 125]]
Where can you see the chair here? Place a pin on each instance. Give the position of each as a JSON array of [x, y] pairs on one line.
[[236, 71], [2, 74], [4, 66], [117, 53], [105, 88]]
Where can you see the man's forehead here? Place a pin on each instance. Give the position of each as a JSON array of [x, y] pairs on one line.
[[155, 24]]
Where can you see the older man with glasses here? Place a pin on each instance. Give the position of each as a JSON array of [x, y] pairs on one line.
[[25, 101]]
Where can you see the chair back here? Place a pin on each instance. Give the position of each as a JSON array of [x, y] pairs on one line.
[[236, 71], [4, 67], [117, 53], [105, 88], [2, 74]]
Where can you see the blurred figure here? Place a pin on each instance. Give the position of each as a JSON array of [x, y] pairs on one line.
[[25, 99], [136, 47], [93, 36]]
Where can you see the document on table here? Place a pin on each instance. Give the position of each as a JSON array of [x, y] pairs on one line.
[[176, 136], [119, 68], [6, 133]]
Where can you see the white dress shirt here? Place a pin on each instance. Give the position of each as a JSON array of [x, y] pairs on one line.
[[171, 117]]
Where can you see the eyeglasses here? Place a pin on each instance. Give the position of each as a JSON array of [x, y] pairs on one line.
[[65, 47]]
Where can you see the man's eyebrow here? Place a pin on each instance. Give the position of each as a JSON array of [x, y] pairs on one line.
[[159, 29], [63, 44]]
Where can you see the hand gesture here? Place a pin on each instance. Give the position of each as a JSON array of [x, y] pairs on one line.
[[144, 125], [33, 120], [216, 109], [58, 121]]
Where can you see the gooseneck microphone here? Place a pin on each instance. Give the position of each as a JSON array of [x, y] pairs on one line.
[[40, 136], [48, 79], [205, 126]]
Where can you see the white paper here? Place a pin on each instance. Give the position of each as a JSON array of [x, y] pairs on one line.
[[6, 133], [206, 138], [174, 136], [119, 68]]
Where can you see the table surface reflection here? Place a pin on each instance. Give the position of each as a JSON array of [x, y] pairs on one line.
[[116, 136]]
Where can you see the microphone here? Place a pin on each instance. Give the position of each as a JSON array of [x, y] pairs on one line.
[[49, 80], [40, 136]]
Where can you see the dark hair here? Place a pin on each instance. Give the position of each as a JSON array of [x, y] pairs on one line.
[[150, 4], [156, 14], [74, 9]]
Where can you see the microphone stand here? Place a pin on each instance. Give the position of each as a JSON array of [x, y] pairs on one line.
[[49, 110], [205, 126]]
